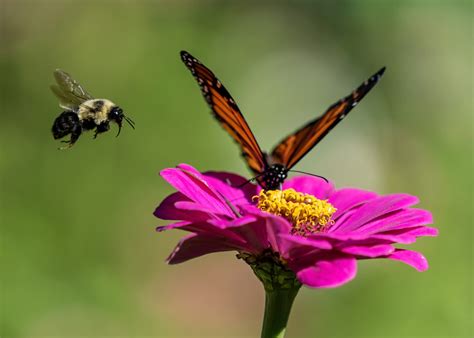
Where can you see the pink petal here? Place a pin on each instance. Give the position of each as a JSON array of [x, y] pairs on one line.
[[329, 272], [403, 236], [227, 230], [197, 190], [263, 233], [406, 236], [425, 231], [191, 169], [375, 208], [260, 233], [193, 246], [171, 226], [340, 219], [412, 258], [417, 231], [400, 239], [234, 223], [168, 210], [195, 207], [401, 219], [339, 237], [318, 243], [276, 225], [215, 228], [310, 185], [235, 188], [300, 251], [368, 251], [348, 198]]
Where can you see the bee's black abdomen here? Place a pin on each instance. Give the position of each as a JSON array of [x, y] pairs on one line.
[[65, 124]]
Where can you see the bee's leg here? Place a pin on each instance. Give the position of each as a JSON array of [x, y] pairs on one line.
[[102, 128], [75, 133]]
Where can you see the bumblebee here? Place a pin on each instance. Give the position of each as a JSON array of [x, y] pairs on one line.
[[81, 111]]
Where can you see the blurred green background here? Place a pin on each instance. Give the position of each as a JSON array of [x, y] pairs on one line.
[[79, 253]]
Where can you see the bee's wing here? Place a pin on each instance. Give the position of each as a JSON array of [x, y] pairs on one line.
[[70, 93]]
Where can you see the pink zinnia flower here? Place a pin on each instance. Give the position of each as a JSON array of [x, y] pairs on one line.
[[309, 232]]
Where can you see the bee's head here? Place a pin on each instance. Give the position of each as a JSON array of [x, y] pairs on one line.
[[116, 114]]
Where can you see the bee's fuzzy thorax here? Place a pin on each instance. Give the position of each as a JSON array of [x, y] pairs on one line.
[[96, 109]]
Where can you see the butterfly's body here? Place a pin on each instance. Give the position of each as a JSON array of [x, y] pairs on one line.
[[273, 176], [270, 169], [81, 111]]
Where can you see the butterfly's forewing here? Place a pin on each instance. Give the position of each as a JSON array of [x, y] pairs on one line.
[[226, 112], [292, 149]]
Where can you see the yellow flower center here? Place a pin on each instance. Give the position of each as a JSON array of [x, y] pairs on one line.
[[305, 212]]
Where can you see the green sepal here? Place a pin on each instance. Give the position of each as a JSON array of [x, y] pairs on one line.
[[271, 270]]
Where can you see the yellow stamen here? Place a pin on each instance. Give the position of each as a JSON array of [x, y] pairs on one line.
[[305, 212]]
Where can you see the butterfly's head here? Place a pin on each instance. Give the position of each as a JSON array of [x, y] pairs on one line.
[[274, 176]]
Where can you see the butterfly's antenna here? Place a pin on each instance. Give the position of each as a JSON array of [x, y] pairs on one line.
[[230, 205], [302, 172], [250, 180], [130, 122]]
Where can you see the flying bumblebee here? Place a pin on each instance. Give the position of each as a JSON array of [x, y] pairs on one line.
[[81, 111]]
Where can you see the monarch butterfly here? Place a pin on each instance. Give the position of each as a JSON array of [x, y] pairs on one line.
[[270, 169]]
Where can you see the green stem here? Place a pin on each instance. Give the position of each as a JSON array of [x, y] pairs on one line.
[[278, 304]]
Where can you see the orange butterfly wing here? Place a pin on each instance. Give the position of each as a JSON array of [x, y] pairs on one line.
[[295, 146], [226, 112]]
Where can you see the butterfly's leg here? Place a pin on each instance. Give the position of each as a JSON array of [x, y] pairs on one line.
[[102, 128]]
